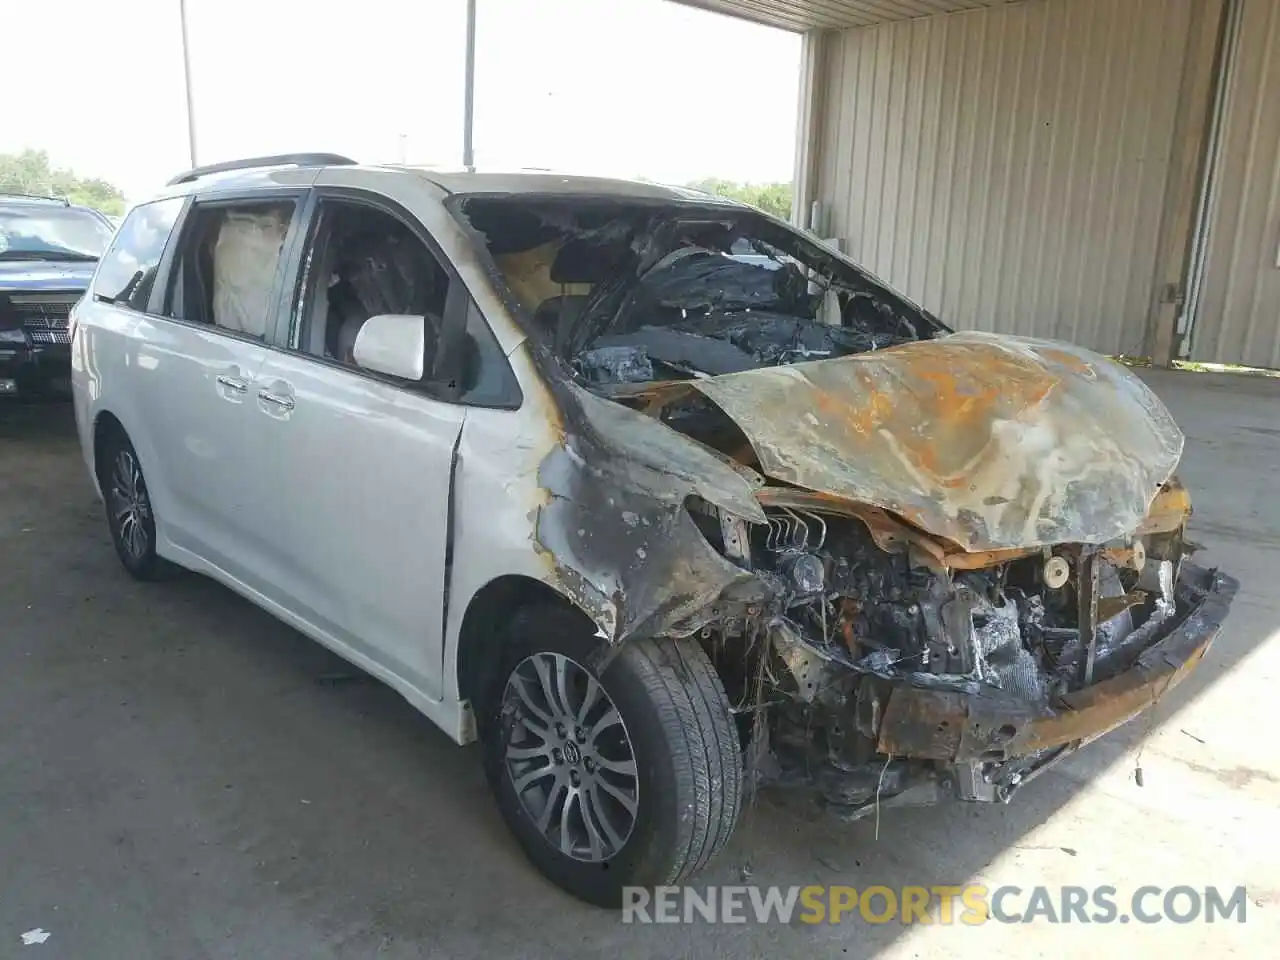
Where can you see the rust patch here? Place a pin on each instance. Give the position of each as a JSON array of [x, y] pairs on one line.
[[1069, 360], [849, 610], [653, 396], [952, 725], [1169, 511], [1109, 607], [948, 725], [993, 443], [926, 725], [982, 559], [1093, 711], [889, 535]]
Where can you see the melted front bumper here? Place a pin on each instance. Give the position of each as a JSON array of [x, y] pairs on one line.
[[1013, 741]]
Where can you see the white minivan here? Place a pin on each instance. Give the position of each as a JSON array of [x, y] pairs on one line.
[[657, 496]]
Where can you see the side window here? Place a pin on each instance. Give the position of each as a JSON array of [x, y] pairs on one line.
[[128, 270], [362, 263], [225, 271], [486, 377]]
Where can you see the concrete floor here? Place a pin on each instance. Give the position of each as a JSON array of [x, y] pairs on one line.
[[180, 776]]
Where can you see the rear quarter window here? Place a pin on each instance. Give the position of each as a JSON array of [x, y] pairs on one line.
[[128, 270]]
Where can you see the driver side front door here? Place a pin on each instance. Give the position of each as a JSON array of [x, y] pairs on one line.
[[357, 471]]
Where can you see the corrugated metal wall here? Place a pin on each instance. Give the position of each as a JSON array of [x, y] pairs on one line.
[[1238, 309], [811, 14], [1007, 167]]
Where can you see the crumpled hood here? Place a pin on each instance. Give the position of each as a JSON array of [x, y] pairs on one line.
[[990, 441]]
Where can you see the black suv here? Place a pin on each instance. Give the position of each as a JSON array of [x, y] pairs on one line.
[[48, 251]]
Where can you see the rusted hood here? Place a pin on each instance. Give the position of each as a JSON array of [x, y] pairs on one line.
[[990, 441]]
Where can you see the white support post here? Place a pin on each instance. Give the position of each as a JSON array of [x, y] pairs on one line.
[[469, 90]]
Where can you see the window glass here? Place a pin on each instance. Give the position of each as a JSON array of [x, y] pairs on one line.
[[225, 272], [486, 376], [364, 263], [33, 231], [128, 271]]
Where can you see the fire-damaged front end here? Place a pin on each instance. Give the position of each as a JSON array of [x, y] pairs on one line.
[[897, 676], [923, 563]]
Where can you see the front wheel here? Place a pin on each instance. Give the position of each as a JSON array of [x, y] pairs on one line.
[[630, 776]]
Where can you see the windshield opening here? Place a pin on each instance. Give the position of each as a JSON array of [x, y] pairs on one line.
[[632, 291], [37, 232]]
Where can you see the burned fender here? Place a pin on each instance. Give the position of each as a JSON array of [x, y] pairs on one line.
[[616, 528]]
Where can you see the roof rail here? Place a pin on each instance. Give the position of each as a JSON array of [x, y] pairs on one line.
[[279, 160], [35, 196]]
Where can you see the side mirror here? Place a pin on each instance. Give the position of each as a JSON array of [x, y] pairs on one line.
[[392, 343]]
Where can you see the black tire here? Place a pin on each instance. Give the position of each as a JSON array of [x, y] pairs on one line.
[[130, 517], [688, 758]]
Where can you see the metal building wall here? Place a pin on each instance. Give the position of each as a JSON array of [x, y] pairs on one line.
[[1007, 167], [1237, 316], [819, 14]]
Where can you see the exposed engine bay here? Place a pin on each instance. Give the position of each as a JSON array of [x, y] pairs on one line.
[[855, 620]]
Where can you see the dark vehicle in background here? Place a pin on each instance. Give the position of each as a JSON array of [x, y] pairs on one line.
[[48, 251]]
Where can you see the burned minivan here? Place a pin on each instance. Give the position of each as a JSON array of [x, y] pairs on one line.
[[923, 563], [675, 502]]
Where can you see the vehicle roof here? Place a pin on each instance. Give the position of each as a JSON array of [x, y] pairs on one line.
[[46, 203], [34, 200], [453, 182], [544, 182]]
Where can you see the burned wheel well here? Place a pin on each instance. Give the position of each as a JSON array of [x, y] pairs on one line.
[[104, 427], [484, 626]]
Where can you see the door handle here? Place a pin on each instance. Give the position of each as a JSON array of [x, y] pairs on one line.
[[276, 399], [234, 383]]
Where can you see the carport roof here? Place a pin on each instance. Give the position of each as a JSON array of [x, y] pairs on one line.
[[802, 15]]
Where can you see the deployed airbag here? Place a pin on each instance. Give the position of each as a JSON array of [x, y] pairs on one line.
[[245, 258]]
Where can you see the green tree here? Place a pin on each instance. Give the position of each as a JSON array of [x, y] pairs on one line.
[[31, 172], [774, 198]]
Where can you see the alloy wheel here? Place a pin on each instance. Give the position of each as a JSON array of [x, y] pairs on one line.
[[130, 506], [569, 757]]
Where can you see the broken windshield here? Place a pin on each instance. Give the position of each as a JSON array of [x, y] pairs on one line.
[[625, 290]]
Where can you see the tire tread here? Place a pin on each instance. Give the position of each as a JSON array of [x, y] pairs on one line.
[[695, 712], [679, 712]]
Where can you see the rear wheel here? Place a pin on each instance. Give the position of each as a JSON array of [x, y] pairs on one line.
[[626, 776], [130, 516]]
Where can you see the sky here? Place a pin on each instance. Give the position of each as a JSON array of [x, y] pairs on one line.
[[628, 88]]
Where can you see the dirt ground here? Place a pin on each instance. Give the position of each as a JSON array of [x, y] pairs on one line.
[[183, 777]]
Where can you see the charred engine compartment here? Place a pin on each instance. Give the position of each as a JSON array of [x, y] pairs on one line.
[[887, 616], [809, 678]]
